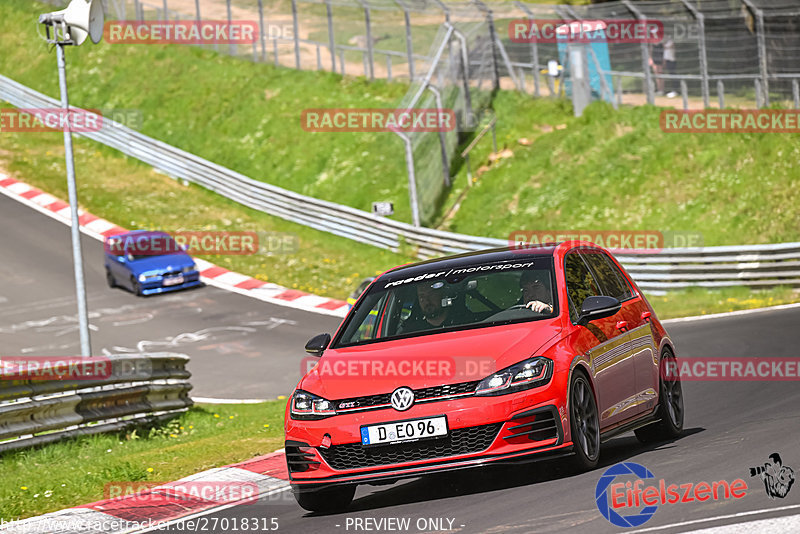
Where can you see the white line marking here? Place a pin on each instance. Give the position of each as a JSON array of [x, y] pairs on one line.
[[718, 518]]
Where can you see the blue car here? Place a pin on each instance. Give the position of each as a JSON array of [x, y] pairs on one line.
[[148, 262]]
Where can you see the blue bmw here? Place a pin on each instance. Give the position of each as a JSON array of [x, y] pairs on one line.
[[148, 262]]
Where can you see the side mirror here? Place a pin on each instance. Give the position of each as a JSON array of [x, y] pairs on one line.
[[120, 259], [597, 308], [317, 344]]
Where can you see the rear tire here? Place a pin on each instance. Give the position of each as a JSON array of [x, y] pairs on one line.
[[327, 501], [670, 406], [110, 279], [584, 422]]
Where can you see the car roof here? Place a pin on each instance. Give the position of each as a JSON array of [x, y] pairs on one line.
[[495, 255]]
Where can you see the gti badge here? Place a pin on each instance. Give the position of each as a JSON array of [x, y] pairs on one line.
[[402, 399]]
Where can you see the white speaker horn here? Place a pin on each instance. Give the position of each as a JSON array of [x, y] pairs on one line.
[[84, 19]]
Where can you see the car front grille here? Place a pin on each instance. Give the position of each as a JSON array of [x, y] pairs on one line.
[[459, 441], [420, 395]]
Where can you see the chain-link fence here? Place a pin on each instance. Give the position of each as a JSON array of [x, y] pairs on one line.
[[740, 53]]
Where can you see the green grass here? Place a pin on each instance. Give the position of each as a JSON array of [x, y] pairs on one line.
[[699, 301], [74, 472]]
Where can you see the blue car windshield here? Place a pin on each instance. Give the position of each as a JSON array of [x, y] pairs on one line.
[[150, 245], [451, 299]]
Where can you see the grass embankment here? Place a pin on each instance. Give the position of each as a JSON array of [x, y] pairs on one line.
[[74, 472]]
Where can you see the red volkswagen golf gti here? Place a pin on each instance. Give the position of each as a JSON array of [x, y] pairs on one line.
[[495, 356]]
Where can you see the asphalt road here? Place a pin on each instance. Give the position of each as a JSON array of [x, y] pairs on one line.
[[239, 347], [729, 427]]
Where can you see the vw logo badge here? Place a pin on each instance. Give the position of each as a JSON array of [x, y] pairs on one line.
[[402, 399]]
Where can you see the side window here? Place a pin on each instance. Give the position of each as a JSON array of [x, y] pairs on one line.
[[580, 283], [611, 279]]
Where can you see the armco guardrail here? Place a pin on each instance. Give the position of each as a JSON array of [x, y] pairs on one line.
[[139, 388], [753, 265]]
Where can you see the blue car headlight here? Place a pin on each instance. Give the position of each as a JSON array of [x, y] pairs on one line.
[[148, 277], [189, 269], [531, 373]]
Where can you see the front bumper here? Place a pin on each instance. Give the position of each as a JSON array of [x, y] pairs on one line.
[[156, 285], [482, 430]]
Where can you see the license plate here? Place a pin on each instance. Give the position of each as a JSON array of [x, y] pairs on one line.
[[402, 431], [175, 280]]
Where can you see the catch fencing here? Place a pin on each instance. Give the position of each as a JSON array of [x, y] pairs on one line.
[[753, 265], [140, 388]]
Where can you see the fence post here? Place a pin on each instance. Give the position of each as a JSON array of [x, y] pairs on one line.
[[319, 59], [388, 67], [534, 50], [701, 43], [261, 27], [464, 72], [757, 84], [442, 137], [331, 43], [164, 10], [492, 39], [648, 79], [796, 94], [275, 51], [721, 94], [295, 36], [137, 8], [370, 56], [685, 95], [197, 10], [341, 60], [412, 180], [232, 46], [762, 48], [619, 91], [409, 43]]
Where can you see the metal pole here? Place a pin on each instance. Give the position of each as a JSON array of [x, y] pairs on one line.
[[492, 39], [442, 138], [296, 37], [648, 80], [166, 17], [796, 94], [701, 43], [331, 42], [409, 46], [369, 43], [261, 27], [762, 49], [721, 94], [685, 95], [534, 51], [388, 67], [412, 181], [197, 9], [77, 257], [231, 47]]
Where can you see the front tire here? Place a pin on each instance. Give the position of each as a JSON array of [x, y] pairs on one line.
[[584, 422], [326, 501], [136, 287], [670, 405], [110, 279]]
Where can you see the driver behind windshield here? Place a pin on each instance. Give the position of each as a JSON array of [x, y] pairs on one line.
[[536, 293], [432, 310]]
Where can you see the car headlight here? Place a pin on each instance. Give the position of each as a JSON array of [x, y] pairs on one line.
[[307, 406], [189, 269], [145, 278], [531, 373]]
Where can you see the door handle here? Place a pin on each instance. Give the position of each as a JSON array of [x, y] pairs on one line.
[[646, 316], [622, 325]]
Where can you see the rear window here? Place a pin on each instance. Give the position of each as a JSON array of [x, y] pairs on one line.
[[440, 300]]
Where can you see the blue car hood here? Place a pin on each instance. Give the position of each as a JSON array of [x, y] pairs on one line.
[[171, 262]]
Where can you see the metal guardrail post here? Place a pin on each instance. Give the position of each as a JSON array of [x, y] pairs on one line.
[[648, 78], [296, 37], [331, 43]]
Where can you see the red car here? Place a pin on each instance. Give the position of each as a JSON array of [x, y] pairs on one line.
[[502, 355]]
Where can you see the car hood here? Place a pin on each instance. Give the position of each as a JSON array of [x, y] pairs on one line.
[[425, 361], [171, 262]]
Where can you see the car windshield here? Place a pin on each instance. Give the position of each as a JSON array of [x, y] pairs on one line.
[[150, 245], [451, 299]]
